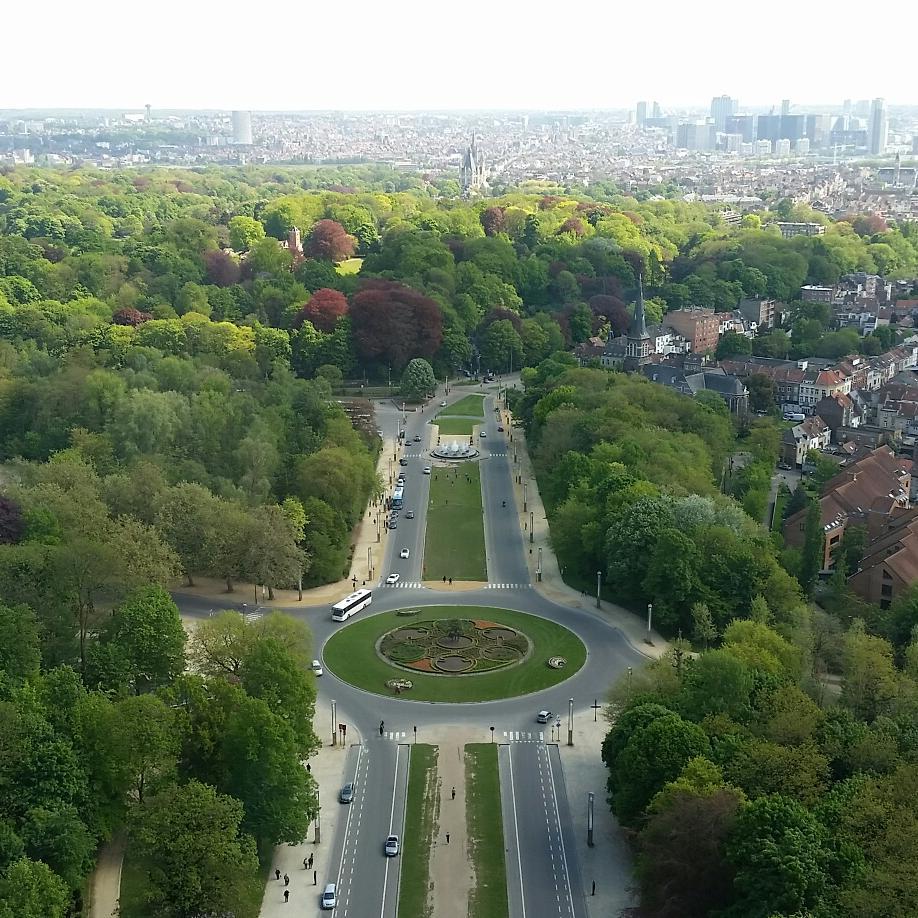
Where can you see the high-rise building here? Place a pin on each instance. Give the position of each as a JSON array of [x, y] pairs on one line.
[[782, 147], [722, 107], [768, 127], [915, 143], [148, 117], [741, 124], [785, 107], [817, 130], [695, 135], [641, 113], [242, 128], [878, 127], [846, 107], [656, 111], [793, 127]]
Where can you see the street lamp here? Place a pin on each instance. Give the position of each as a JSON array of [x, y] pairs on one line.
[[570, 723], [649, 618], [539, 568], [598, 586], [525, 487], [531, 534], [334, 722], [492, 734]]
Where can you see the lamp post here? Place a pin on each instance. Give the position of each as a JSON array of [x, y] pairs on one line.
[[318, 837], [369, 561], [649, 618], [570, 723], [531, 534], [492, 734], [590, 820], [334, 722], [539, 568], [598, 586], [525, 488]]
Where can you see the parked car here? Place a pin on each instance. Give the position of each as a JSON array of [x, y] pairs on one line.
[[393, 523], [392, 846], [330, 897], [317, 668], [500, 428], [403, 461], [393, 578], [346, 794], [426, 469], [404, 553], [544, 717]]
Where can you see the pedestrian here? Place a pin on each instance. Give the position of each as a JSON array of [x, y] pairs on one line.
[[447, 838], [593, 892], [450, 581], [315, 878], [311, 859], [444, 578], [286, 880], [286, 895], [305, 863], [276, 874], [454, 793]]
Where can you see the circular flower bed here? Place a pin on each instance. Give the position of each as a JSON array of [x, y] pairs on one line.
[[475, 646]]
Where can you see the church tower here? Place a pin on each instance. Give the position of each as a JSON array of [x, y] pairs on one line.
[[639, 347]]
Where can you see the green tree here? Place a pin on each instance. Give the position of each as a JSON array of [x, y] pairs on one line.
[[20, 649], [200, 862], [244, 232], [31, 889], [418, 380], [811, 561]]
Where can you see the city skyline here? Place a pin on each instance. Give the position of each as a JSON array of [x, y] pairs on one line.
[[375, 61]]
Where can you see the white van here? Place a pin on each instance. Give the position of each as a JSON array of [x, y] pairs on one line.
[[330, 896]]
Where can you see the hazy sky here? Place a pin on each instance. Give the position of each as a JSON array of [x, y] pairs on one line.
[[408, 54]]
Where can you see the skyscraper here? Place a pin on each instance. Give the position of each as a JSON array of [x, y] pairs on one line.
[[242, 128], [878, 128], [785, 107], [722, 107], [641, 113], [656, 110]]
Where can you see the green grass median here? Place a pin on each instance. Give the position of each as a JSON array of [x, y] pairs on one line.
[[417, 841], [455, 427], [455, 543], [485, 832], [471, 405]]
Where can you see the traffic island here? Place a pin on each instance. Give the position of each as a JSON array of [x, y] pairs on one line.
[[453, 654]]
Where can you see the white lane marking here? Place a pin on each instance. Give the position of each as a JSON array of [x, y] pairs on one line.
[[567, 878], [347, 825], [516, 831], [382, 908]]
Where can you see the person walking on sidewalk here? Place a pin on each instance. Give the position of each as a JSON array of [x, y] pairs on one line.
[[447, 838], [315, 878], [276, 874], [454, 793], [286, 895], [286, 880]]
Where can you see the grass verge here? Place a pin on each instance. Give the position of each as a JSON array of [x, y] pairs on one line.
[[351, 655], [420, 824], [471, 405], [349, 266], [455, 427], [455, 544], [781, 500], [485, 832]]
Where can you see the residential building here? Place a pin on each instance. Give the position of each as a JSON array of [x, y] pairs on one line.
[[759, 311], [242, 128], [838, 411], [812, 433], [871, 492], [890, 562], [699, 326], [820, 384], [812, 293], [789, 230], [730, 388]]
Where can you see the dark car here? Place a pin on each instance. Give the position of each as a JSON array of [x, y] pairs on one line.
[[403, 461], [409, 515]]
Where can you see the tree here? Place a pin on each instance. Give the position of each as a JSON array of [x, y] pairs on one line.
[[146, 636], [501, 347], [323, 309], [31, 889], [811, 561], [492, 220], [703, 628], [869, 678], [59, 838], [12, 525], [762, 392], [20, 646], [329, 241], [146, 739], [418, 380], [244, 232], [200, 862], [732, 344]]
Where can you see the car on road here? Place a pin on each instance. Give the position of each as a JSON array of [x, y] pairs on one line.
[[403, 461], [442, 404], [544, 717], [346, 794], [404, 553], [500, 428], [417, 439], [409, 515], [426, 469], [317, 668], [394, 578], [786, 466], [482, 433], [330, 897], [392, 846], [393, 523]]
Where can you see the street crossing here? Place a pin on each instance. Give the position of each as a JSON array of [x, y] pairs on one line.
[[508, 586]]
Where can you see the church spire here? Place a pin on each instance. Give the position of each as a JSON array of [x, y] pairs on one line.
[[639, 322]]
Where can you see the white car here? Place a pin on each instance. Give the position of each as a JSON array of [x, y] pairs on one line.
[[442, 404], [405, 553], [393, 578], [330, 897], [426, 469], [482, 433], [392, 846], [544, 717], [317, 668]]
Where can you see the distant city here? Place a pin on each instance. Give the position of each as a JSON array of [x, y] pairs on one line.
[[857, 155]]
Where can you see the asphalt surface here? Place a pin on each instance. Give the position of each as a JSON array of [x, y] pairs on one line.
[[541, 859]]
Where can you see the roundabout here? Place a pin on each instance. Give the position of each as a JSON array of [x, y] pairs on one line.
[[454, 654]]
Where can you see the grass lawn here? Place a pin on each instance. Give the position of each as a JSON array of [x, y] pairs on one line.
[[455, 426], [485, 832], [420, 824], [349, 266], [351, 655], [455, 545], [472, 405], [780, 503], [135, 887]]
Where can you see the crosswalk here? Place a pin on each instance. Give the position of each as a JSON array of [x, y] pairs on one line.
[[507, 736], [492, 455], [397, 736], [417, 585], [403, 585], [508, 586]]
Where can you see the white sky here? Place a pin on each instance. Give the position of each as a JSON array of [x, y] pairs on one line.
[[471, 54]]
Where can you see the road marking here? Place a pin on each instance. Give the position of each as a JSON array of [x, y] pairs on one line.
[[382, 908], [516, 831], [347, 824], [567, 878]]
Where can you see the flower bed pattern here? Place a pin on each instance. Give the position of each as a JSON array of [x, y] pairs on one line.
[[455, 646]]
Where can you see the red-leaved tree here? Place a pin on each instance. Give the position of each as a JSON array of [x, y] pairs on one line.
[[130, 316], [392, 323], [12, 524], [492, 220], [613, 309], [222, 269], [324, 309], [572, 225], [329, 240]]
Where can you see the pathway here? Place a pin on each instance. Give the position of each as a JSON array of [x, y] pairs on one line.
[[106, 878]]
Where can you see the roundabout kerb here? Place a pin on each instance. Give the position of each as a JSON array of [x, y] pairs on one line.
[[453, 653]]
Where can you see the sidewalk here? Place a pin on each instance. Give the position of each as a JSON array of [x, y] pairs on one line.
[[553, 586], [328, 770], [106, 878]]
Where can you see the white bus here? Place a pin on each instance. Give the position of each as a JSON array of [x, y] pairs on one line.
[[351, 605], [398, 498]]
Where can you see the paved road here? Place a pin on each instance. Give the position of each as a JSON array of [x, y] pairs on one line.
[[543, 878], [543, 847]]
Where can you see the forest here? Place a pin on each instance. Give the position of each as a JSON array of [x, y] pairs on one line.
[[173, 344]]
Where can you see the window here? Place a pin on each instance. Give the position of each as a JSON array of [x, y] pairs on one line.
[[884, 603], [886, 590]]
